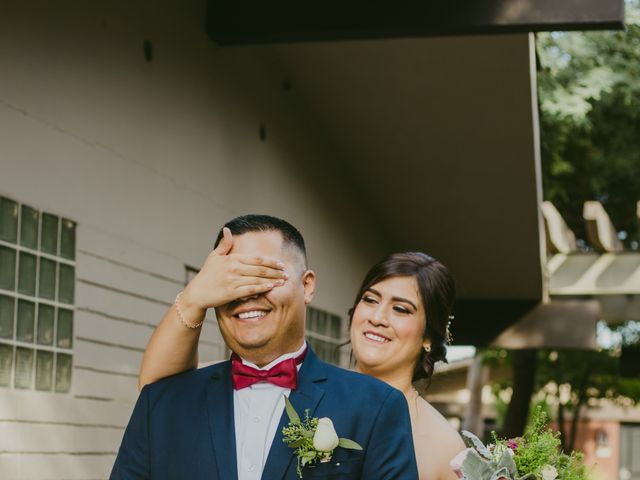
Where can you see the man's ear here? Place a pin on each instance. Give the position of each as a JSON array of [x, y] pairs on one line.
[[309, 285]]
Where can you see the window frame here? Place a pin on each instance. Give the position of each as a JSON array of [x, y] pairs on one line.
[[313, 336], [37, 300]]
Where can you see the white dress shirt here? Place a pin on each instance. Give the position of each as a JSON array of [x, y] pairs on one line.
[[257, 412]]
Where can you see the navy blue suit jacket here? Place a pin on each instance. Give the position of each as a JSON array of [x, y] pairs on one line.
[[182, 427]]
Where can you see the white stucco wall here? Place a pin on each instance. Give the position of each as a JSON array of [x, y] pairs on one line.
[[149, 158]]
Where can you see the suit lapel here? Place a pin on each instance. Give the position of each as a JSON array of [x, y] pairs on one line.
[[221, 422], [306, 396]]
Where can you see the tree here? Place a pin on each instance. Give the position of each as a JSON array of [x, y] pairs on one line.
[[589, 102], [571, 380], [589, 99]]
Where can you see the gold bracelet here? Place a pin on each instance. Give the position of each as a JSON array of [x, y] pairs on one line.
[[181, 318]]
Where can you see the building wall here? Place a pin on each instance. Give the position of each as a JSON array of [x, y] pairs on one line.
[[150, 158], [604, 459]]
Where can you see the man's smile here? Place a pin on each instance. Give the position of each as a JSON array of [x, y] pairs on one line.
[[251, 314]]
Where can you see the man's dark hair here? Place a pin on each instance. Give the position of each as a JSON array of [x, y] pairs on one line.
[[265, 223]]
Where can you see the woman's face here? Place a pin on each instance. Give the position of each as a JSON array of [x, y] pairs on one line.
[[388, 327]]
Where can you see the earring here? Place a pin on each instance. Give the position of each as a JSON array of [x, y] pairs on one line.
[[427, 349]]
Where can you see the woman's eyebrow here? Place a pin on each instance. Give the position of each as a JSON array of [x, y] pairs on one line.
[[395, 299]]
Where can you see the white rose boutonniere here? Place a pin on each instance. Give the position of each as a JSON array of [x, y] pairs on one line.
[[326, 439], [313, 439]]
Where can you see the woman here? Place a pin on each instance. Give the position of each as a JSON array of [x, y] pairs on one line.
[[399, 329]]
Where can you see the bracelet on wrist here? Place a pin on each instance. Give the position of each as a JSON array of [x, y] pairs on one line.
[[181, 317]]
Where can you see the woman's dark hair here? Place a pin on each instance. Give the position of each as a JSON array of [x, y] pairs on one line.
[[437, 292]]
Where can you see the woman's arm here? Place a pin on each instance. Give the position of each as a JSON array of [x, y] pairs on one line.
[[452, 445], [436, 442], [173, 347], [223, 278]]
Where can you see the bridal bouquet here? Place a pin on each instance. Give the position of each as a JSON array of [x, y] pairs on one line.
[[534, 456]]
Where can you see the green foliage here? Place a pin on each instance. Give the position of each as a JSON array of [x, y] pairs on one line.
[[589, 97], [597, 371], [538, 447], [584, 376], [528, 457], [572, 467]]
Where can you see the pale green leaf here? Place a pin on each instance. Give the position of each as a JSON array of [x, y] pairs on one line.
[[350, 444], [474, 442], [291, 412], [501, 472], [475, 467], [506, 461]]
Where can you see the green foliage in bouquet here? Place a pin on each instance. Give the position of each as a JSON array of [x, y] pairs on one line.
[[537, 448], [494, 462], [540, 448], [534, 456]]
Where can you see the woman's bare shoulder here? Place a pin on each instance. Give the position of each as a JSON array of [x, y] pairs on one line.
[[431, 422], [437, 442]]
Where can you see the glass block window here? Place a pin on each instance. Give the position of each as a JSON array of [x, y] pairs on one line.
[[324, 334], [37, 291]]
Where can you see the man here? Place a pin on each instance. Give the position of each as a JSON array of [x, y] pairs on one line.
[[225, 421]]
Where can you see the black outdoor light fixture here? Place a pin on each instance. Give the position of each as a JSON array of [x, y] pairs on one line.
[[147, 50], [290, 21]]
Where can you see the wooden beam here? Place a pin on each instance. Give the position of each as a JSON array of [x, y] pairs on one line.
[[248, 22]]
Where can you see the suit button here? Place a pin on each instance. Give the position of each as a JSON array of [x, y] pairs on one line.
[[251, 468]]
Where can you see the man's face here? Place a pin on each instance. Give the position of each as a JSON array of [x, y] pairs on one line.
[[265, 326]]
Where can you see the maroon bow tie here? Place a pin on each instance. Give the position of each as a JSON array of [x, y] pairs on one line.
[[284, 374]]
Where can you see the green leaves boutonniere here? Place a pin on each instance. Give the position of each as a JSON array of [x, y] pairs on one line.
[[313, 439]]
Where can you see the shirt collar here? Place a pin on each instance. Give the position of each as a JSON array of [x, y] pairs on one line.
[[281, 358]]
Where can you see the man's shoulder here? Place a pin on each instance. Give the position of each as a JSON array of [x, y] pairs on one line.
[[358, 384], [187, 381]]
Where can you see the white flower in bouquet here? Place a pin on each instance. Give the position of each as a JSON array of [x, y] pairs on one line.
[[549, 472]]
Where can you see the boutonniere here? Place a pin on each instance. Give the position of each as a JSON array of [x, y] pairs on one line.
[[313, 439]]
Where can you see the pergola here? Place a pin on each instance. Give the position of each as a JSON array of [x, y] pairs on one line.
[[599, 282], [607, 273]]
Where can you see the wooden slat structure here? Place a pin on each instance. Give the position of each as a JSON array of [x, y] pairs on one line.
[[608, 274]]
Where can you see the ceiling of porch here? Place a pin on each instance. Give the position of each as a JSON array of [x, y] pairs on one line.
[[437, 141]]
